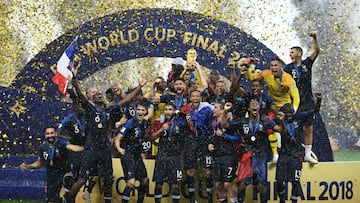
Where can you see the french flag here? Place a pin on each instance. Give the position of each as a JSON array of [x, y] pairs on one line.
[[62, 68]]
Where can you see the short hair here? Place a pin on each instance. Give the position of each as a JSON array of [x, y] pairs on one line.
[[195, 91], [171, 104], [51, 126], [259, 81], [221, 81], [178, 78], [277, 59], [141, 103], [287, 108], [161, 78], [299, 49], [222, 104], [109, 91]]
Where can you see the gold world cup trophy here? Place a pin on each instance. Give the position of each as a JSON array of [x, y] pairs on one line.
[[191, 64], [191, 55]]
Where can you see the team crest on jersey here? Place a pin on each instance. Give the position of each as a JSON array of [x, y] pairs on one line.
[[261, 127], [304, 68], [263, 104], [296, 124]]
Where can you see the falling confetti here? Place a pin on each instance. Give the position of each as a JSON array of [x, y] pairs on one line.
[[26, 27]]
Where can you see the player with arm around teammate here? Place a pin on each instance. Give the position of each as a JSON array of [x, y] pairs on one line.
[[289, 166], [168, 161], [128, 142], [253, 166], [199, 116], [222, 146], [53, 155]]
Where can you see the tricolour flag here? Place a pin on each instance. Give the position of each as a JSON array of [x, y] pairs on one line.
[[62, 68]]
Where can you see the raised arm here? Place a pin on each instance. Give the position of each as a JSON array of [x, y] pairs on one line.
[[235, 81], [202, 83], [316, 47], [74, 70], [136, 91]]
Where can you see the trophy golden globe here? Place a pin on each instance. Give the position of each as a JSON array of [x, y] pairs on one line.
[[191, 59], [191, 65], [191, 55]]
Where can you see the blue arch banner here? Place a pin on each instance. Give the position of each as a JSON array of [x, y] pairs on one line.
[[32, 101]]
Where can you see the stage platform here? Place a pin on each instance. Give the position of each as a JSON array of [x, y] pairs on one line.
[[323, 182]]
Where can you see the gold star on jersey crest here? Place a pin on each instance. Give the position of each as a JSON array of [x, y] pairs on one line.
[[18, 108]]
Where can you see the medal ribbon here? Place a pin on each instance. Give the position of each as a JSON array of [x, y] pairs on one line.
[[298, 73], [178, 102], [253, 129], [290, 128], [171, 129], [51, 151]]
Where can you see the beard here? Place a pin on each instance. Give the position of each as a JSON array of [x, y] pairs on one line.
[[51, 140]]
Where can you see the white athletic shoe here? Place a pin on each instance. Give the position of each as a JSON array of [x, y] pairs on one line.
[[311, 160], [275, 158]]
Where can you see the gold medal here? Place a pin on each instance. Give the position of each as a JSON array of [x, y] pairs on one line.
[[51, 162], [177, 111], [253, 138], [83, 134], [100, 125]]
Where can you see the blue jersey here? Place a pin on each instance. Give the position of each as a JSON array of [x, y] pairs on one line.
[[225, 145], [199, 120], [54, 157], [256, 136], [171, 141], [134, 133], [302, 75], [292, 136], [74, 127], [130, 109], [97, 127]]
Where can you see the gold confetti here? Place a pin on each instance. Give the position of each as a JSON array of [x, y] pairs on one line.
[[18, 108], [26, 27]]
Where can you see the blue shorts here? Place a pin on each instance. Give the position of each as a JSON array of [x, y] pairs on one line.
[[100, 159], [307, 107], [225, 168], [54, 185], [167, 169], [194, 150], [133, 167], [288, 169], [259, 167]]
